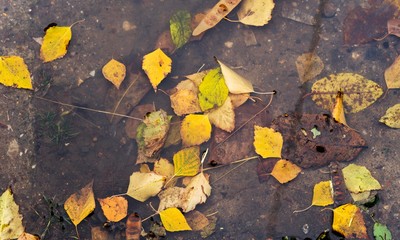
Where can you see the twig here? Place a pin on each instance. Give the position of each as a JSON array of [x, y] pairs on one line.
[[122, 97]]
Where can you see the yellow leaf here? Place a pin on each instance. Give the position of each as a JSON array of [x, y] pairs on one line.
[[114, 72], [80, 204], [323, 194], [164, 168], [239, 99], [196, 192], [359, 179], [224, 116], [235, 83], [392, 117], [392, 74], [55, 43], [358, 92], [267, 142], [197, 78], [115, 208], [255, 12], [10, 220], [157, 65], [195, 129], [187, 161], [212, 90], [185, 99], [216, 14], [308, 65], [285, 171], [360, 196], [144, 168], [173, 220], [338, 110], [14, 72], [142, 186], [348, 220]]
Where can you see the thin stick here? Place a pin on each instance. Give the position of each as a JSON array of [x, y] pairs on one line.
[[302, 210], [211, 214], [152, 215], [223, 175], [122, 97], [234, 162], [265, 93]]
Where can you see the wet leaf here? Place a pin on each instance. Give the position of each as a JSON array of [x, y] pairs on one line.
[[157, 65], [358, 92], [180, 28], [196, 192], [223, 117], [285, 171], [359, 179], [80, 204], [381, 231], [171, 197], [196, 220], [114, 72], [267, 142], [195, 129], [264, 169], [255, 12], [10, 220], [14, 72], [392, 74], [115, 208], [133, 227], [392, 117], [212, 90], [338, 109], [348, 221], [142, 186], [173, 220], [393, 26], [185, 98], [55, 43], [164, 168], [139, 112], [322, 194], [174, 132], [99, 233], [308, 65], [238, 99], [235, 83], [187, 161]]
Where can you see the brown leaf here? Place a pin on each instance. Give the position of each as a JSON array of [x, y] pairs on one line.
[[264, 169]]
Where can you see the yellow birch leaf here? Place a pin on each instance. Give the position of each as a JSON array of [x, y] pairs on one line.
[[338, 109], [285, 171], [358, 92], [392, 117], [224, 116], [170, 197], [115, 208], [212, 90], [255, 12], [215, 15], [185, 99], [10, 220], [187, 161], [359, 179], [392, 74], [348, 221], [235, 83], [80, 204], [142, 186], [164, 168], [114, 72], [195, 129], [173, 220], [55, 43], [157, 65], [14, 72], [267, 142], [360, 196], [196, 192], [322, 194], [308, 65]]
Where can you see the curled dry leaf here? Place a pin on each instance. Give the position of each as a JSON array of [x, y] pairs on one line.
[[196, 192], [235, 83]]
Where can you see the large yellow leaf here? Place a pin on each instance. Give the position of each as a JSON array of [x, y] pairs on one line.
[[392, 74], [285, 171], [338, 109], [196, 192], [10, 220], [114, 72], [358, 92], [235, 83], [308, 65], [392, 117], [173, 220], [359, 179], [14, 72], [115, 208], [80, 204], [157, 65], [55, 43], [267, 142], [142, 186], [255, 12], [195, 129], [224, 116], [348, 220], [187, 161], [322, 194], [213, 90]]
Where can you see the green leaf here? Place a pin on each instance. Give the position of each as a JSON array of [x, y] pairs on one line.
[[212, 90], [359, 179], [180, 28], [381, 232]]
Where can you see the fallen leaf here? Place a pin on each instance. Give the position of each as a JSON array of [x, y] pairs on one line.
[[381, 231], [196, 220], [238, 99], [157, 229], [322, 194], [173, 220], [187, 161], [255, 12], [144, 168], [212, 90], [358, 92], [157, 65], [235, 83], [224, 116], [139, 112], [195, 129], [348, 221], [308, 65], [267, 142], [210, 228], [180, 28], [359, 179], [215, 15], [164, 42], [80, 204], [338, 109], [392, 117], [142, 186], [115, 208], [10, 220], [14, 72], [392, 74], [198, 77], [99, 233], [164, 168], [185, 98], [171, 197], [114, 72], [285, 171], [55, 43], [196, 192], [393, 26], [28, 236], [133, 227], [264, 169], [174, 132]]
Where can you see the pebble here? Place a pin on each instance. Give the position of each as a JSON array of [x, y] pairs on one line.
[[329, 10]]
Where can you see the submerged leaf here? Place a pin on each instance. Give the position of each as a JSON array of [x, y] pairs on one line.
[[267, 142], [392, 74], [212, 90], [80, 204], [14, 72], [173, 220], [255, 12], [157, 65], [308, 65], [10, 220], [196, 192], [180, 28], [392, 117], [381, 231], [55, 43]]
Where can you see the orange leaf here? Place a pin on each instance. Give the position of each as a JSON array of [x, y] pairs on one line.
[[285, 171], [114, 208]]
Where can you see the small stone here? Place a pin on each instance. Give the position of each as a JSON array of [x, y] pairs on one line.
[[329, 10], [127, 26], [228, 44]]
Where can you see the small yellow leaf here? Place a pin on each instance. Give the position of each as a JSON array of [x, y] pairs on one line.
[[359, 179], [55, 43], [348, 220], [14, 72], [392, 74], [115, 208], [187, 161], [195, 129], [224, 116], [173, 220], [255, 12], [323, 194], [157, 65], [235, 83], [267, 142], [142, 186], [308, 65], [80, 204], [285, 171], [338, 109], [392, 117], [114, 72], [10, 220]]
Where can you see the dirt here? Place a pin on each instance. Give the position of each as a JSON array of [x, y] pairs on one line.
[[49, 151]]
